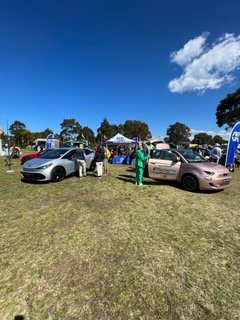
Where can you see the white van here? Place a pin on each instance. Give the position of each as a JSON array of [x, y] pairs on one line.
[[41, 142]]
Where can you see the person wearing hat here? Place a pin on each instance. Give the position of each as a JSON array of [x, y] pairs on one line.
[[81, 159], [216, 153]]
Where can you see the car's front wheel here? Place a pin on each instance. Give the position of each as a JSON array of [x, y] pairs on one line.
[[58, 174], [190, 183]]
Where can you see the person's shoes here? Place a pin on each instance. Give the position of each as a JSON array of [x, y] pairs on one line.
[[136, 184], [140, 184]]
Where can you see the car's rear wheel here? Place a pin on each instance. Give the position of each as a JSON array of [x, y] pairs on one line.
[[58, 174], [190, 183]]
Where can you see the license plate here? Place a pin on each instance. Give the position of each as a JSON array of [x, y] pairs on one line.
[[225, 182]]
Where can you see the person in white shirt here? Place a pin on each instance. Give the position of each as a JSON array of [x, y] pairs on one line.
[[216, 153]]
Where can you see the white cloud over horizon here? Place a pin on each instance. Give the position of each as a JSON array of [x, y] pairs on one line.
[[206, 67]]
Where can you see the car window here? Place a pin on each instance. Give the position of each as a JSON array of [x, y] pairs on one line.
[[168, 155], [70, 155], [87, 151], [157, 154], [164, 155], [53, 154], [192, 156]]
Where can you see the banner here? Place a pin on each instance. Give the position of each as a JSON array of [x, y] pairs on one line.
[[234, 141], [49, 142]]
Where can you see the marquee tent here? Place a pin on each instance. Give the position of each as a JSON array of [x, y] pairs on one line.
[[120, 139]]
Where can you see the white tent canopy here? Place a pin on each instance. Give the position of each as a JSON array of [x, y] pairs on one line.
[[119, 139]]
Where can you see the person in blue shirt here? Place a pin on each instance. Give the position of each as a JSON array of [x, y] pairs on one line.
[[81, 159]]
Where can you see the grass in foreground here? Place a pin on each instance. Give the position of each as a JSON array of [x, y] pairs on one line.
[[107, 249]]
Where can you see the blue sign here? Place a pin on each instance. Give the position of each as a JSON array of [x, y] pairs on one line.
[[234, 141], [49, 142]]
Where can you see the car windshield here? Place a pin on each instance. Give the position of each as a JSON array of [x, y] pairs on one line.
[[53, 154], [192, 156]]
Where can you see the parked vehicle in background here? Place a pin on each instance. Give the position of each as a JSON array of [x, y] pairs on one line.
[[189, 168], [56, 164], [41, 142], [30, 156]]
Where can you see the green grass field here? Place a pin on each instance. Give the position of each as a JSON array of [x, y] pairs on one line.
[[103, 248]]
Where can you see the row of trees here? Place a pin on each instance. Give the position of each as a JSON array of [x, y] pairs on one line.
[[177, 133], [227, 113], [71, 129]]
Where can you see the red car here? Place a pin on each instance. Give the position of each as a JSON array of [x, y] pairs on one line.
[[31, 156]]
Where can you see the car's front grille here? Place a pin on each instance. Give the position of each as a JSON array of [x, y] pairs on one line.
[[32, 176]]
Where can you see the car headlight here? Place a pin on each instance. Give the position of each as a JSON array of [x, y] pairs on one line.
[[211, 173], [45, 166]]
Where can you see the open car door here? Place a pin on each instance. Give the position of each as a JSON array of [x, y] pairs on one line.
[[164, 165]]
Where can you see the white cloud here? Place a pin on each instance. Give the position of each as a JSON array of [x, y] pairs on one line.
[[191, 49], [206, 68]]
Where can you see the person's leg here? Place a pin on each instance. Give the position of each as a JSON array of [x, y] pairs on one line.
[[140, 177], [100, 169], [105, 166], [80, 169], [84, 166], [137, 176]]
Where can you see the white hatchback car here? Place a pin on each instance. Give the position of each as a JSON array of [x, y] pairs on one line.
[[55, 164]]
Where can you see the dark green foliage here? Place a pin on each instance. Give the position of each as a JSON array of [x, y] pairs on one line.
[[228, 110], [179, 133]]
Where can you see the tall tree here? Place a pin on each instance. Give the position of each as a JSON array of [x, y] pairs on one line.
[[202, 138], [106, 130], [178, 133], [71, 129], [42, 134], [17, 128], [228, 110], [88, 134], [218, 139], [27, 137], [135, 128]]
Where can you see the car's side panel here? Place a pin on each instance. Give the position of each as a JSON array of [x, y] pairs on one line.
[[69, 165], [163, 169], [164, 165]]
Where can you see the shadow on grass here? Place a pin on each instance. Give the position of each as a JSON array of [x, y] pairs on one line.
[[32, 181], [148, 182]]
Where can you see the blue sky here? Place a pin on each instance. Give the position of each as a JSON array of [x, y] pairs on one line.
[[155, 61]]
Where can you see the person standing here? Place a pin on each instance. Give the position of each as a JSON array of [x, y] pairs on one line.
[[216, 153], [81, 159], [140, 165], [107, 154], [150, 148], [99, 158], [145, 149]]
